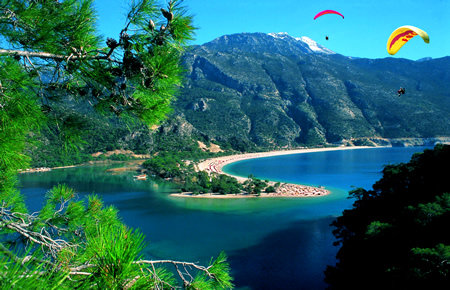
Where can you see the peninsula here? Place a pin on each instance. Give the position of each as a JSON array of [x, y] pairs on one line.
[[215, 165]]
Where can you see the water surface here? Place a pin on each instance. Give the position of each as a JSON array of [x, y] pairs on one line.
[[272, 243]]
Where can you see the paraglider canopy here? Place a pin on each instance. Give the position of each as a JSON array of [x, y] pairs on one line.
[[402, 35], [327, 12]]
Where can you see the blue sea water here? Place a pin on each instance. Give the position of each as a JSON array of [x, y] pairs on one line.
[[342, 169], [271, 243]]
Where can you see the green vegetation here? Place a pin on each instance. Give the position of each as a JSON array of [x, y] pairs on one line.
[[103, 134], [201, 182], [225, 184], [270, 189], [58, 77], [254, 185], [165, 165], [77, 244], [172, 166], [396, 235], [97, 133], [252, 91]]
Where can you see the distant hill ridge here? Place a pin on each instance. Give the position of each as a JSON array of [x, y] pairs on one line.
[[274, 90]]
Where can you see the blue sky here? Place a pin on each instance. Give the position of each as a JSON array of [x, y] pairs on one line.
[[363, 32]]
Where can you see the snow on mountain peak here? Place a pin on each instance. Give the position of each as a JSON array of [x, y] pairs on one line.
[[312, 45], [279, 35]]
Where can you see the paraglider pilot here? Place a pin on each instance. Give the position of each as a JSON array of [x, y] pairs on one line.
[[401, 91]]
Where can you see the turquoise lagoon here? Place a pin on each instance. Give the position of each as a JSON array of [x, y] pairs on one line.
[[272, 243]]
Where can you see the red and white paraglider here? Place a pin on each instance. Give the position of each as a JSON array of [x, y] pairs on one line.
[[327, 12], [321, 13]]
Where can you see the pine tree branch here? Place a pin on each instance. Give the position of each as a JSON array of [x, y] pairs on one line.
[[80, 273], [46, 55], [178, 263], [38, 238], [20, 223], [82, 267], [25, 259]]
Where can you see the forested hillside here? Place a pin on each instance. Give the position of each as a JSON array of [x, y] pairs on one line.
[[275, 90], [256, 91]]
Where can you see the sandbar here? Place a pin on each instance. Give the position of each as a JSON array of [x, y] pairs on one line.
[[215, 165]]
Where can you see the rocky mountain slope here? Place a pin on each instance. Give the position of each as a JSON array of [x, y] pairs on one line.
[[273, 90]]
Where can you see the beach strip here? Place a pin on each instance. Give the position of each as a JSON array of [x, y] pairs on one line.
[[215, 165]]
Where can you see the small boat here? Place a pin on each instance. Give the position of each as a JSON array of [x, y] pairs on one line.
[[141, 177]]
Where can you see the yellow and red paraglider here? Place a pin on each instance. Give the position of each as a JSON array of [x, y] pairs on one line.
[[402, 35], [327, 12]]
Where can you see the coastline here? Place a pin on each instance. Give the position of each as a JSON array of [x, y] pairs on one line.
[[284, 190], [131, 165], [215, 165]]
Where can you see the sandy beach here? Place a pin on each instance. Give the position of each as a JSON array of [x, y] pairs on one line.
[[215, 165]]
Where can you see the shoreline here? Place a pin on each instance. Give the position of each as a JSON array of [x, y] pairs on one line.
[[92, 162], [284, 190], [215, 165]]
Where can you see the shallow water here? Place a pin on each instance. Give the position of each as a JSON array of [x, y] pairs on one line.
[[272, 243]]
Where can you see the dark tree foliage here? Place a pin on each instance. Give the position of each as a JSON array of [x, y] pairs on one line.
[[164, 165], [170, 165], [270, 189], [225, 184], [396, 235], [254, 185]]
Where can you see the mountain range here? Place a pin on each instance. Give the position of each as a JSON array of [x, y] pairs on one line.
[[274, 90]]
